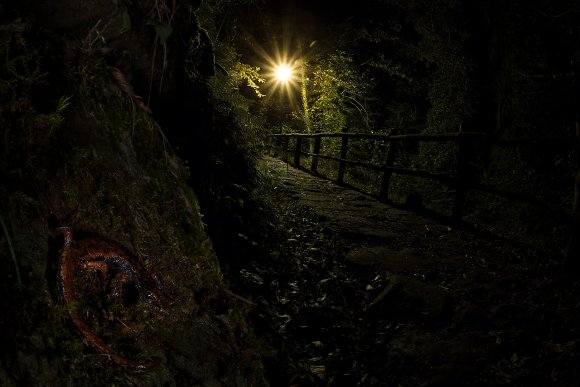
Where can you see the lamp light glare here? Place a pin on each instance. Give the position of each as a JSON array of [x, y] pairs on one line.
[[283, 73]]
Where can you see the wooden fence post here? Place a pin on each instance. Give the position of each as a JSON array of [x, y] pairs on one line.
[[316, 151], [284, 145], [573, 249], [461, 185], [297, 151], [270, 146], [390, 162], [343, 153]]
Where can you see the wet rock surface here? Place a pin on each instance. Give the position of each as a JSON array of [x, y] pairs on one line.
[[357, 292]]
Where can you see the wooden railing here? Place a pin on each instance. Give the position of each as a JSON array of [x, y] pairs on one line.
[[462, 181]]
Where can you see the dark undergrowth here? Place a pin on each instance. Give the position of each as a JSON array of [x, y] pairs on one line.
[[327, 321]]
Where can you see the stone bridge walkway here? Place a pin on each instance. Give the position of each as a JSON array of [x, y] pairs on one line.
[[392, 238], [362, 293]]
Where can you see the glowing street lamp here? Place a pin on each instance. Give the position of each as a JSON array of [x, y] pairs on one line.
[[284, 76], [288, 74], [283, 73]]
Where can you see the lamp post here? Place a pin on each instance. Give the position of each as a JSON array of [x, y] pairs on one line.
[[285, 77]]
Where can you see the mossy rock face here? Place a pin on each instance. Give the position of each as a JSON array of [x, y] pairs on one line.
[[79, 153]]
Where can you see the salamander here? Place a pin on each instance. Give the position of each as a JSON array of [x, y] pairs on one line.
[[103, 255]]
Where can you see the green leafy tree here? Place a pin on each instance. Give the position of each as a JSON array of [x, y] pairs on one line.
[[235, 86], [338, 94]]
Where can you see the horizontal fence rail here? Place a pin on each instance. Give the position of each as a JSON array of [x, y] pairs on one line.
[[462, 181]]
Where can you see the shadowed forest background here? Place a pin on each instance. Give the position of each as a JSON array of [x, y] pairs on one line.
[[147, 123]]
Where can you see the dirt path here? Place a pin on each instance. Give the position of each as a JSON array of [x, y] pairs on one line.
[[361, 293]]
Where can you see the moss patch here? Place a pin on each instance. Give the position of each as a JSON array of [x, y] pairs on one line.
[[102, 167]]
